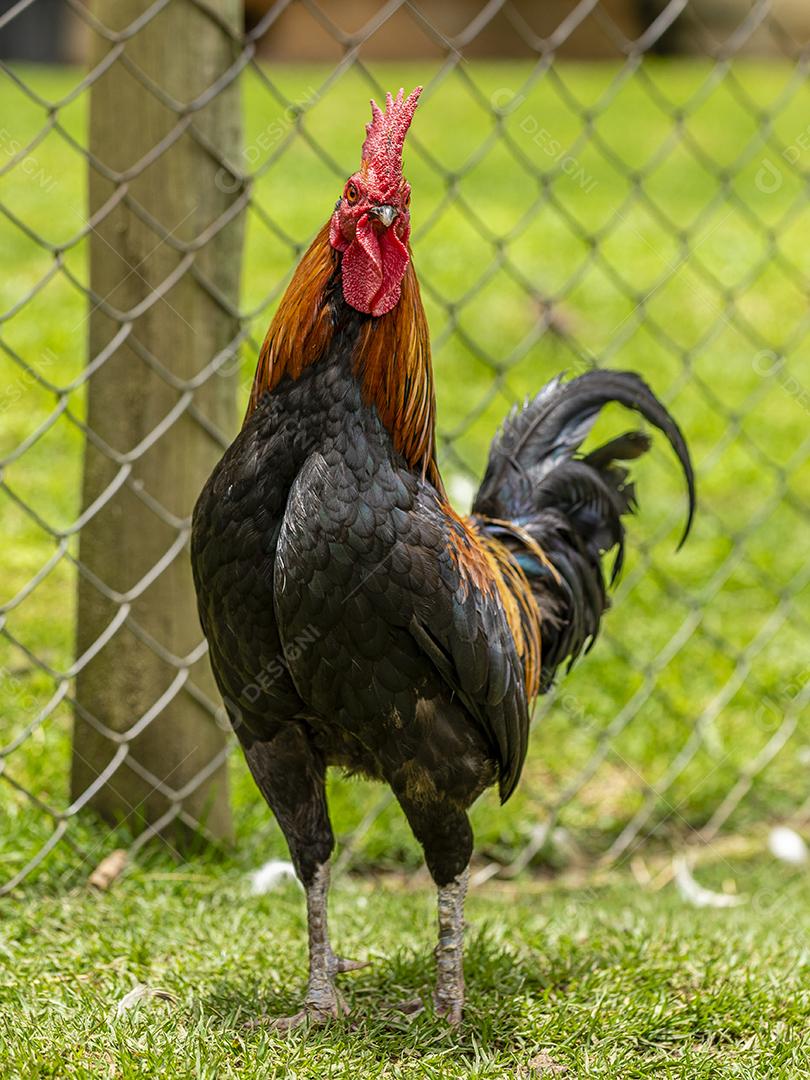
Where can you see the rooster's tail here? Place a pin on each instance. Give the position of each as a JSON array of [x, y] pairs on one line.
[[537, 494]]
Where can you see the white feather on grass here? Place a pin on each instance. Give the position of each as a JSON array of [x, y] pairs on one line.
[[268, 877], [787, 845], [696, 894], [140, 993]]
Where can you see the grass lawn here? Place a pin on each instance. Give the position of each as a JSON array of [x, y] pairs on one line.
[[563, 980], [649, 258]]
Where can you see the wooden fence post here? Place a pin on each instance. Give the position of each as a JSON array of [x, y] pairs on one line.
[[143, 434]]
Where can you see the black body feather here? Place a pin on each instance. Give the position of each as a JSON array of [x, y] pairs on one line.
[[340, 626]]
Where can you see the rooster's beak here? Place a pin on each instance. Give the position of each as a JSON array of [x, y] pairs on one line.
[[385, 214]]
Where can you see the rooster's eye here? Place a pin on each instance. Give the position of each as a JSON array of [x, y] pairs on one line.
[[351, 194]]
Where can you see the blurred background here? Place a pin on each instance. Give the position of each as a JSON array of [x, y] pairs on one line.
[[619, 183], [53, 31]]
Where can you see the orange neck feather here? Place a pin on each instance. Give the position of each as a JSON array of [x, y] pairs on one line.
[[301, 328], [392, 355], [395, 371]]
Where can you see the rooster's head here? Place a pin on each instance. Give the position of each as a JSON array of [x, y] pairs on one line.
[[371, 223]]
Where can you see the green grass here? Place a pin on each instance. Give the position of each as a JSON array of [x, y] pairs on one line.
[[620, 983], [603, 980]]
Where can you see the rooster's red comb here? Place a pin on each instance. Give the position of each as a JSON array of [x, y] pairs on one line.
[[385, 137]]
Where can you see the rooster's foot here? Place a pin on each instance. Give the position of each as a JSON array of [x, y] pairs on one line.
[[322, 1003], [403, 1009], [450, 1007], [315, 1012]]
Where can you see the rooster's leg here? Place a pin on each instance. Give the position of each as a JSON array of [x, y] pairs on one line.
[[290, 774], [443, 830], [322, 1000], [449, 993]]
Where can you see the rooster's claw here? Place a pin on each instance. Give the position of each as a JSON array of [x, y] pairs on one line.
[[341, 965]]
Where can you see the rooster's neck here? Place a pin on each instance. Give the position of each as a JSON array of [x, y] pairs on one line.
[[391, 352]]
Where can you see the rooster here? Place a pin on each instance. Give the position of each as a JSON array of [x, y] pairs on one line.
[[354, 619]]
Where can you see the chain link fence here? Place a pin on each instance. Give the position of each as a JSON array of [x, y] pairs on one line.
[[594, 184]]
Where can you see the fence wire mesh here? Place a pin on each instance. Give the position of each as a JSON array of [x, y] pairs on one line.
[[647, 209]]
